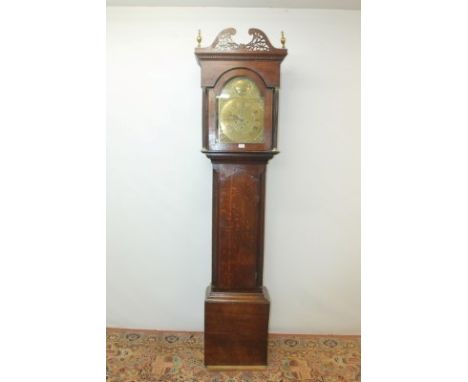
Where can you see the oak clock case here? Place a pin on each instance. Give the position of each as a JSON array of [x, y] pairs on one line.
[[240, 84]]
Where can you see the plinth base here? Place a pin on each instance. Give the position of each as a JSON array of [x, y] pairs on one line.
[[236, 329]]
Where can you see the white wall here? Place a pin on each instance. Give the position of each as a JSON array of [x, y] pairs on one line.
[[159, 184]]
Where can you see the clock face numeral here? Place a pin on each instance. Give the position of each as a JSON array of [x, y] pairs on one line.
[[241, 112]]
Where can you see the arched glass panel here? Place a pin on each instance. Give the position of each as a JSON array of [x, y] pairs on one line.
[[241, 112]]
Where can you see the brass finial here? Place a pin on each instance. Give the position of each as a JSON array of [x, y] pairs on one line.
[[283, 40], [199, 39]]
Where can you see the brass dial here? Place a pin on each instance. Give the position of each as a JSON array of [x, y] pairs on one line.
[[241, 112]]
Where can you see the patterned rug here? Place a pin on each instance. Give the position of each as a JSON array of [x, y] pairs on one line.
[[156, 356]]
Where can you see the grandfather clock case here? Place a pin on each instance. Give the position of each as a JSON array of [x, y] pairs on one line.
[[240, 84]]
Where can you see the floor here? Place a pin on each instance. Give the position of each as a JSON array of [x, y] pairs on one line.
[[156, 356]]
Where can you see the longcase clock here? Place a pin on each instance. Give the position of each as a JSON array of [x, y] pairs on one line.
[[240, 84]]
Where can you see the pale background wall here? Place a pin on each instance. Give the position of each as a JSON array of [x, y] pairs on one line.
[[159, 184]]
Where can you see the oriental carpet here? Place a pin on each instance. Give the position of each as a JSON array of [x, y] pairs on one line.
[[157, 356]]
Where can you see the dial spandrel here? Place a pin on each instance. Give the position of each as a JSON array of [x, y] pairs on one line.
[[241, 112]]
